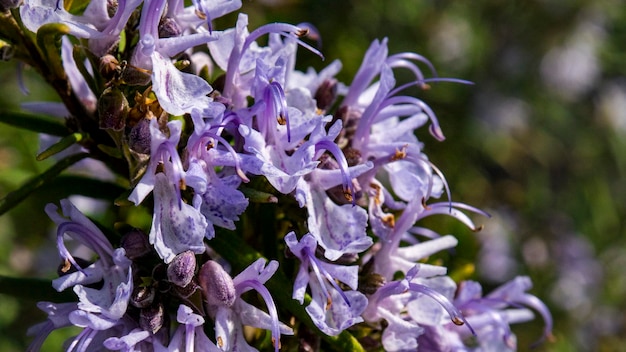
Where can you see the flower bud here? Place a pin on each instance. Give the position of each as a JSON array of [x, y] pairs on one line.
[[151, 319], [370, 283], [218, 286], [142, 296], [139, 137], [182, 268], [112, 6], [135, 243], [169, 28], [6, 5], [326, 94], [109, 67], [112, 109]]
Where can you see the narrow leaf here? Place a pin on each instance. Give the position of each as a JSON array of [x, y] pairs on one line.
[[33, 289], [256, 196], [64, 186], [34, 123], [61, 145], [49, 41], [14, 198]]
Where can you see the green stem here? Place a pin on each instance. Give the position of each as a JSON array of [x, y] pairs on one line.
[[14, 198]]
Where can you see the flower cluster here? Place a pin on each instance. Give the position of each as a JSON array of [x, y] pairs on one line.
[[339, 164]]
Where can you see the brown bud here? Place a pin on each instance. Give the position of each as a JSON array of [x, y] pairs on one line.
[[326, 94], [112, 109], [109, 67], [370, 283], [169, 28], [151, 319], [135, 243], [139, 137], [142, 296]]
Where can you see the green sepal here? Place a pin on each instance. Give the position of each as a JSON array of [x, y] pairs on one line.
[[34, 289], [14, 198], [61, 145], [232, 248], [76, 7], [110, 151], [34, 123], [256, 196], [49, 42]]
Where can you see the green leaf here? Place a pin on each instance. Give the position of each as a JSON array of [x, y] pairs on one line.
[[34, 123], [240, 255], [33, 289], [49, 41], [61, 145], [256, 196], [64, 186], [14, 198]]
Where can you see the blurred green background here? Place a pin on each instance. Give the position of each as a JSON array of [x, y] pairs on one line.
[[538, 141]]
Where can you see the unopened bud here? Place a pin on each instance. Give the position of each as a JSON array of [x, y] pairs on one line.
[[218, 286], [151, 319], [142, 296], [135, 243], [182, 268], [109, 67], [139, 137], [326, 94], [112, 109], [169, 28], [112, 6], [6, 5], [371, 283]]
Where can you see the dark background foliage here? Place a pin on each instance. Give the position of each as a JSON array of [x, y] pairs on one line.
[[538, 141]]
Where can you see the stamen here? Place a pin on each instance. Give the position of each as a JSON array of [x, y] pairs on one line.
[[455, 315], [269, 302], [302, 32], [79, 232], [348, 187], [232, 151]]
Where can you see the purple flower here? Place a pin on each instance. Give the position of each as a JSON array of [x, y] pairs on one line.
[[392, 301], [77, 81], [339, 229], [490, 316], [58, 317], [332, 309], [176, 226], [231, 312], [98, 309], [179, 92], [189, 336], [162, 151]]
